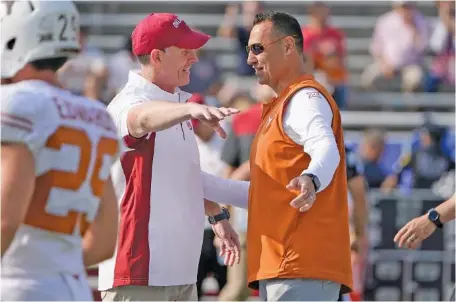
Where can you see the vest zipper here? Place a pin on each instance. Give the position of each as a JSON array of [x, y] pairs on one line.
[[182, 128]]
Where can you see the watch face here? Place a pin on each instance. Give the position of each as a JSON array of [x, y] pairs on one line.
[[433, 215]]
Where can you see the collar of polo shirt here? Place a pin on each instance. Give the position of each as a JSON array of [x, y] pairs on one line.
[[154, 91]]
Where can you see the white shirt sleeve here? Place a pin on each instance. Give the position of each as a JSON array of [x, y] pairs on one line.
[[118, 109], [27, 118], [307, 121], [226, 191]]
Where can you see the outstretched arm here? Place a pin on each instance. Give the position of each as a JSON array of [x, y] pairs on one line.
[[226, 191], [159, 115], [420, 228]]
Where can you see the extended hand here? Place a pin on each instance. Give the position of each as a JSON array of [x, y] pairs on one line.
[[307, 196], [229, 242], [211, 116], [414, 232]]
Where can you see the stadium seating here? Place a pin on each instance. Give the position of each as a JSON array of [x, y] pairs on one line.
[[111, 22]]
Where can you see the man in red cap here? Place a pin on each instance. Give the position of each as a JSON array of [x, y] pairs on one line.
[[159, 178]]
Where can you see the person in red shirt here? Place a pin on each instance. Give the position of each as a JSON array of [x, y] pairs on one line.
[[324, 45]]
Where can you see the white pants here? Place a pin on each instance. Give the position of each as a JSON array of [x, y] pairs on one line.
[[46, 288]]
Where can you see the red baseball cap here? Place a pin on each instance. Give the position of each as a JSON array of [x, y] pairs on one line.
[[162, 30]]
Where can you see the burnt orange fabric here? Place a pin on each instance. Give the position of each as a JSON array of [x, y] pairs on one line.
[[283, 242]]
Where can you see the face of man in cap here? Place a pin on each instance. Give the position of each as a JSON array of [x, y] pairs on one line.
[[173, 64]]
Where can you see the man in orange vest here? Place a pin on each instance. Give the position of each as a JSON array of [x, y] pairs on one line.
[[298, 244]]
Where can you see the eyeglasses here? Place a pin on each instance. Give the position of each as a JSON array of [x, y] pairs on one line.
[[258, 48]]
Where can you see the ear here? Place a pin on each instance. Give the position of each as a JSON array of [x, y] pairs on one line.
[[290, 45], [155, 57]]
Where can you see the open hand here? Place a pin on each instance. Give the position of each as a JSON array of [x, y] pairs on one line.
[[211, 116], [305, 200], [414, 232], [229, 242]]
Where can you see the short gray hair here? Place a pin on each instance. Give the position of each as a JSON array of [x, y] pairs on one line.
[[145, 59]]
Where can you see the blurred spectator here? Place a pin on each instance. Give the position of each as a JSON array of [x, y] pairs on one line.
[[119, 65], [426, 164], [236, 154], [325, 46], [370, 151], [86, 74], [205, 78], [210, 147], [442, 44], [230, 29], [399, 41]]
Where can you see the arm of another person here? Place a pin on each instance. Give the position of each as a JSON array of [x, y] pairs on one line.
[[230, 154], [99, 241], [157, 115], [225, 191], [446, 210], [420, 228], [18, 184], [242, 172], [357, 187]]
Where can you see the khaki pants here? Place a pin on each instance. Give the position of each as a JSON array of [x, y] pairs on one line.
[[236, 288], [151, 293]]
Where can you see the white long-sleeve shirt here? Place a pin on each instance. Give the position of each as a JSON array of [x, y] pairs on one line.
[[307, 121]]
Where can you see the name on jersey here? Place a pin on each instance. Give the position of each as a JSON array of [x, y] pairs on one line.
[[96, 116]]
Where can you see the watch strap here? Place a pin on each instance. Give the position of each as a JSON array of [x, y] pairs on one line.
[[437, 220], [225, 214], [315, 182]]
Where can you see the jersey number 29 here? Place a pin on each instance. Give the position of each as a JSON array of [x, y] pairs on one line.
[[36, 215]]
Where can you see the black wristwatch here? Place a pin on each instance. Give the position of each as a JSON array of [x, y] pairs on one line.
[[219, 217], [316, 182], [434, 216]]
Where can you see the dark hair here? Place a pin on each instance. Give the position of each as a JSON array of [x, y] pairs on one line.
[[53, 64], [283, 23]]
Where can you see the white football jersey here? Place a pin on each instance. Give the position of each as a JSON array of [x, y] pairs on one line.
[[74, 143]]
